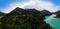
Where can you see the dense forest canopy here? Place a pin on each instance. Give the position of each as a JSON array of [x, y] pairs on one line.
[[24, 19]]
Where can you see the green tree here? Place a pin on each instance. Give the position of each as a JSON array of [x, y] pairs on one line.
[[24, 19]]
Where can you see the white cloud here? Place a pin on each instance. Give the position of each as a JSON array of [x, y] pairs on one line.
[[37, 4], [58, 7], [40, 5]]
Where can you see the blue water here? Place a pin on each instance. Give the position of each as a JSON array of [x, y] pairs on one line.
[[54, 22]]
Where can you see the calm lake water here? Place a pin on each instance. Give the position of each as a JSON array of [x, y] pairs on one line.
[[54, 22]]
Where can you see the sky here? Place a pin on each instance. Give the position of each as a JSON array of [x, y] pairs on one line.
[[7, 6]]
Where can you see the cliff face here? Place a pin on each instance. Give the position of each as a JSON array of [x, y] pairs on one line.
[[24, 19], [46, 13]]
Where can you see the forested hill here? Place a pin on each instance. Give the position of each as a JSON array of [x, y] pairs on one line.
[[2, 14], [24, 19]]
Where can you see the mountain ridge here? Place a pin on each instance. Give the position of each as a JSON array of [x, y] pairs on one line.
[[24, 19]]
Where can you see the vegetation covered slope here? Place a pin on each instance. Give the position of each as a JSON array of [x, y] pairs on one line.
[[2, 14], [58, 14], [46, 13], [24, 19]]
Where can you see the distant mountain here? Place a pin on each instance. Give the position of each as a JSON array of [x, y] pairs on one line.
[[24, 19], [2, 14], [53, 12], [46, 13], [58, 14]]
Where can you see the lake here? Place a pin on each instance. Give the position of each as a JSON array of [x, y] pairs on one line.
[[54, 22]]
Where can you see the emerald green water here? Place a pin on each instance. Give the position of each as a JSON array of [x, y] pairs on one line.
[[54, 22]]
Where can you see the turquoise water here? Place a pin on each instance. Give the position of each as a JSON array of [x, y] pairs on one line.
[[54, 22]]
